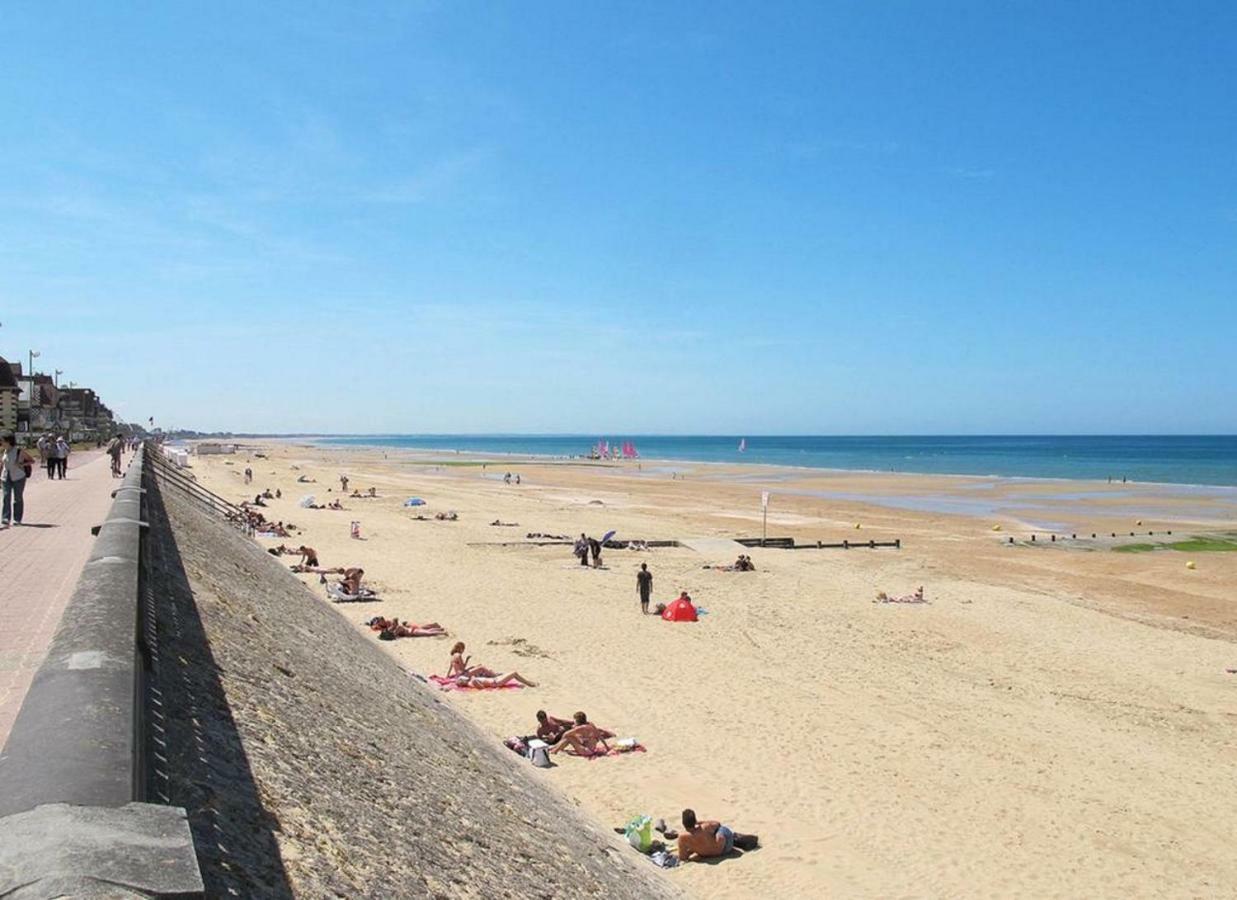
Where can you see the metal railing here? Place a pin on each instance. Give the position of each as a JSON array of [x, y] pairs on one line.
[[173, 476]]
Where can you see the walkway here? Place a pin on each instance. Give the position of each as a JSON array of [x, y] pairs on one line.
[[39, 566]]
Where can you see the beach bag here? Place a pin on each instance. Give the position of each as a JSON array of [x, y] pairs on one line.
[[540, 757], [387, 634], [639, 833]]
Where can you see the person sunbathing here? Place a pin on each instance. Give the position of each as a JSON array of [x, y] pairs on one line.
[[583, 738], [916, 597], [707, 840], [406, 629], [551, 728], [459, 664], [373, 492], [305, 479], [335, 504], [447, 516], [495, 681]]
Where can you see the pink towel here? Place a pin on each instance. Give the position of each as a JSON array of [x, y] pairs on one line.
[[450, 684], [614, 751]]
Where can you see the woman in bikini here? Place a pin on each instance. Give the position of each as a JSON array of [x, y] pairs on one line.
[[459, 665], [493, 681]]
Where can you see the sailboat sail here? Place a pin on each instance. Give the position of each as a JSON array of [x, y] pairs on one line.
[[742, 445]]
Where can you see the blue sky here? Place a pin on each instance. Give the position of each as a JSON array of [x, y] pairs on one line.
[[627, 217]]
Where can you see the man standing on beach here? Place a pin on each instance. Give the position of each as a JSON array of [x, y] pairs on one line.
[[644, 586], [62, 456]]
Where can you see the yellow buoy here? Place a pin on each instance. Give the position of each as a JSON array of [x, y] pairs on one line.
[[996, 527], [1190, 564], [856, 524]]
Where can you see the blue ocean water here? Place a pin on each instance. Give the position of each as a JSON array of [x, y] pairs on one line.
[[1176, 459]]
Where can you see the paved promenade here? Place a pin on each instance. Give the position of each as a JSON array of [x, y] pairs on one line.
[[39, 566]]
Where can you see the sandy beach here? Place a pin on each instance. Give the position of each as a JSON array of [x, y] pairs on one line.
[[1056, 720]]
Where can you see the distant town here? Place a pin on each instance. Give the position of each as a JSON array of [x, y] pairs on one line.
[[36, 403]]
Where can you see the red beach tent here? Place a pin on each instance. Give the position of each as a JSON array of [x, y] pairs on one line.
[[680, 610]]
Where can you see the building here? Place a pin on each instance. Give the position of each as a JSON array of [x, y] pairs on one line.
[[10, 395]]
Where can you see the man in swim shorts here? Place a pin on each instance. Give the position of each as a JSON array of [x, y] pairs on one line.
[[644, 586], [706, 840]]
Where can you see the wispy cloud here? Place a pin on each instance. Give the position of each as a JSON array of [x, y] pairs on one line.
[[430, 181]]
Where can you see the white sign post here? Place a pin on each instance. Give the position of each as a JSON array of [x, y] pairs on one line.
[[764, 510]]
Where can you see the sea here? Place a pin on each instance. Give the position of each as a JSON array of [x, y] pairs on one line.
[[1167, 459]]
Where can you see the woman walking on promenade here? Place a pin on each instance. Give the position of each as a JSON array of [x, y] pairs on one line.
[[16, 465]]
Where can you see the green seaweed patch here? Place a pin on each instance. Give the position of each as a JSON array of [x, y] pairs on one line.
[[1205, 545], [1136, 548]]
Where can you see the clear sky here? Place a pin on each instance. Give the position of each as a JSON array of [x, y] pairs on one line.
[[762, 217]]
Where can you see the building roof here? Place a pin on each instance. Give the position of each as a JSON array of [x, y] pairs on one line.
[[6, 375]]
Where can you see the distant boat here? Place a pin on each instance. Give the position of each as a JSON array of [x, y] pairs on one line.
[[742, 445]]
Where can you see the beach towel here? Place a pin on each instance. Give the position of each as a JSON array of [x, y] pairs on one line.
[[414, 501], [450, 684], [617, 748], [339, 595]]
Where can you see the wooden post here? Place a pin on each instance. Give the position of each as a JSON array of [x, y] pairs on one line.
[[764, 514]]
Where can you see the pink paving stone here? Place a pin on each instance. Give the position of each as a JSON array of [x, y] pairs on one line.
[[39, 568]]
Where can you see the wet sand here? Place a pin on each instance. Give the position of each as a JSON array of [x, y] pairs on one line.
[[1057, 720]]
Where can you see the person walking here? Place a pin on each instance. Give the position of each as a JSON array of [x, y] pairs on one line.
[[62, 456], [49, 455], [16, 464], [114, 448], [644, 587]]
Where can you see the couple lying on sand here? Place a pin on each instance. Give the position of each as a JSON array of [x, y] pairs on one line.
[[397, 629], [916, 597], [479, 676], [579, 735], [742, 564]]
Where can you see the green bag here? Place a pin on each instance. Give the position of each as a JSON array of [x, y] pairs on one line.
[[639, 832]]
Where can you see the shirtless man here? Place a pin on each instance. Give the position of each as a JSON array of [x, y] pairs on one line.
[[706, 840], [309, 556], [351, 582], [583, 738], [551, 728]]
